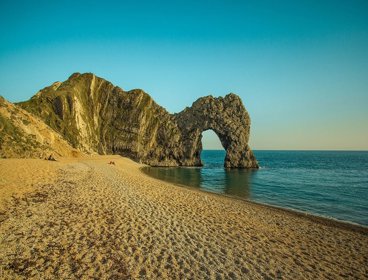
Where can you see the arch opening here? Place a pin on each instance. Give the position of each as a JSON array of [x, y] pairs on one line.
[[211, 148], [211, 141]]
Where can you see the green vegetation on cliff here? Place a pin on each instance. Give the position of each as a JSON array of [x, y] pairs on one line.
[[23, 136]]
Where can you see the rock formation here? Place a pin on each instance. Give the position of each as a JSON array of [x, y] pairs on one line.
[[95, 116], [23, 135], [228, 118]]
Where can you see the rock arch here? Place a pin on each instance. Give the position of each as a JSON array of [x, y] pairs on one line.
[[95, 116], [228, 118]]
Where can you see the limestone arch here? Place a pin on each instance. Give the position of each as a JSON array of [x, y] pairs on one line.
[[228, 118]]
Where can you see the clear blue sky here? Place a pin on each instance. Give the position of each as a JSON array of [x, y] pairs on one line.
[[301, 67]]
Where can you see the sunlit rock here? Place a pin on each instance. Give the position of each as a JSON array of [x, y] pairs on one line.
[[95, 116]]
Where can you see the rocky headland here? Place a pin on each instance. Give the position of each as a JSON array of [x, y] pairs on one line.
[[96, 117]]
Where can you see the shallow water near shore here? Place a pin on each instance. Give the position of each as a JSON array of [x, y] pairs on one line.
[[332, 184]]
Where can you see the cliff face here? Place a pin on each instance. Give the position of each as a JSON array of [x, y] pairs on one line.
[[23, 135], [95, 116]]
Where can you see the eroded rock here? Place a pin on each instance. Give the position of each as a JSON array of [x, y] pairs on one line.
[[228, 118], [95, 116], [23, 135]]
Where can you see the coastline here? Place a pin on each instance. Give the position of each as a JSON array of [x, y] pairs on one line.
[[83, 217], [328, 221], [304, 214]]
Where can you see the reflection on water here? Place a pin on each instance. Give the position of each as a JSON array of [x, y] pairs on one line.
[[177, 175], [238, 182], [232, 182]]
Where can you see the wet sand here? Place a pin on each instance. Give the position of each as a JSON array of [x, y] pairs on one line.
[[83, 218]]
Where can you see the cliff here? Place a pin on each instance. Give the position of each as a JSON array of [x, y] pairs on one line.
[[95, 116], [23, 135]]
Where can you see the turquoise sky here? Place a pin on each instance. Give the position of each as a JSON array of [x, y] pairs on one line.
[[301, 67]]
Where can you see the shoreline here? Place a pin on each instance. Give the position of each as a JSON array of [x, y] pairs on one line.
[[328, 221], [84, 217]]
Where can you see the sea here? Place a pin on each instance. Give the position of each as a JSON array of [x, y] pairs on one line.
[[332, 184]]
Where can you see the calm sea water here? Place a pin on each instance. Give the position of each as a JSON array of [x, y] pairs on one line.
[[326, 183]]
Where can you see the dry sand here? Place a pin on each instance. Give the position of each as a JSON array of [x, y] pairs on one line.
[[86, 219]]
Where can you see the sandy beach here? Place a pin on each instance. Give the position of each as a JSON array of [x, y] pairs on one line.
[[86, 219]]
